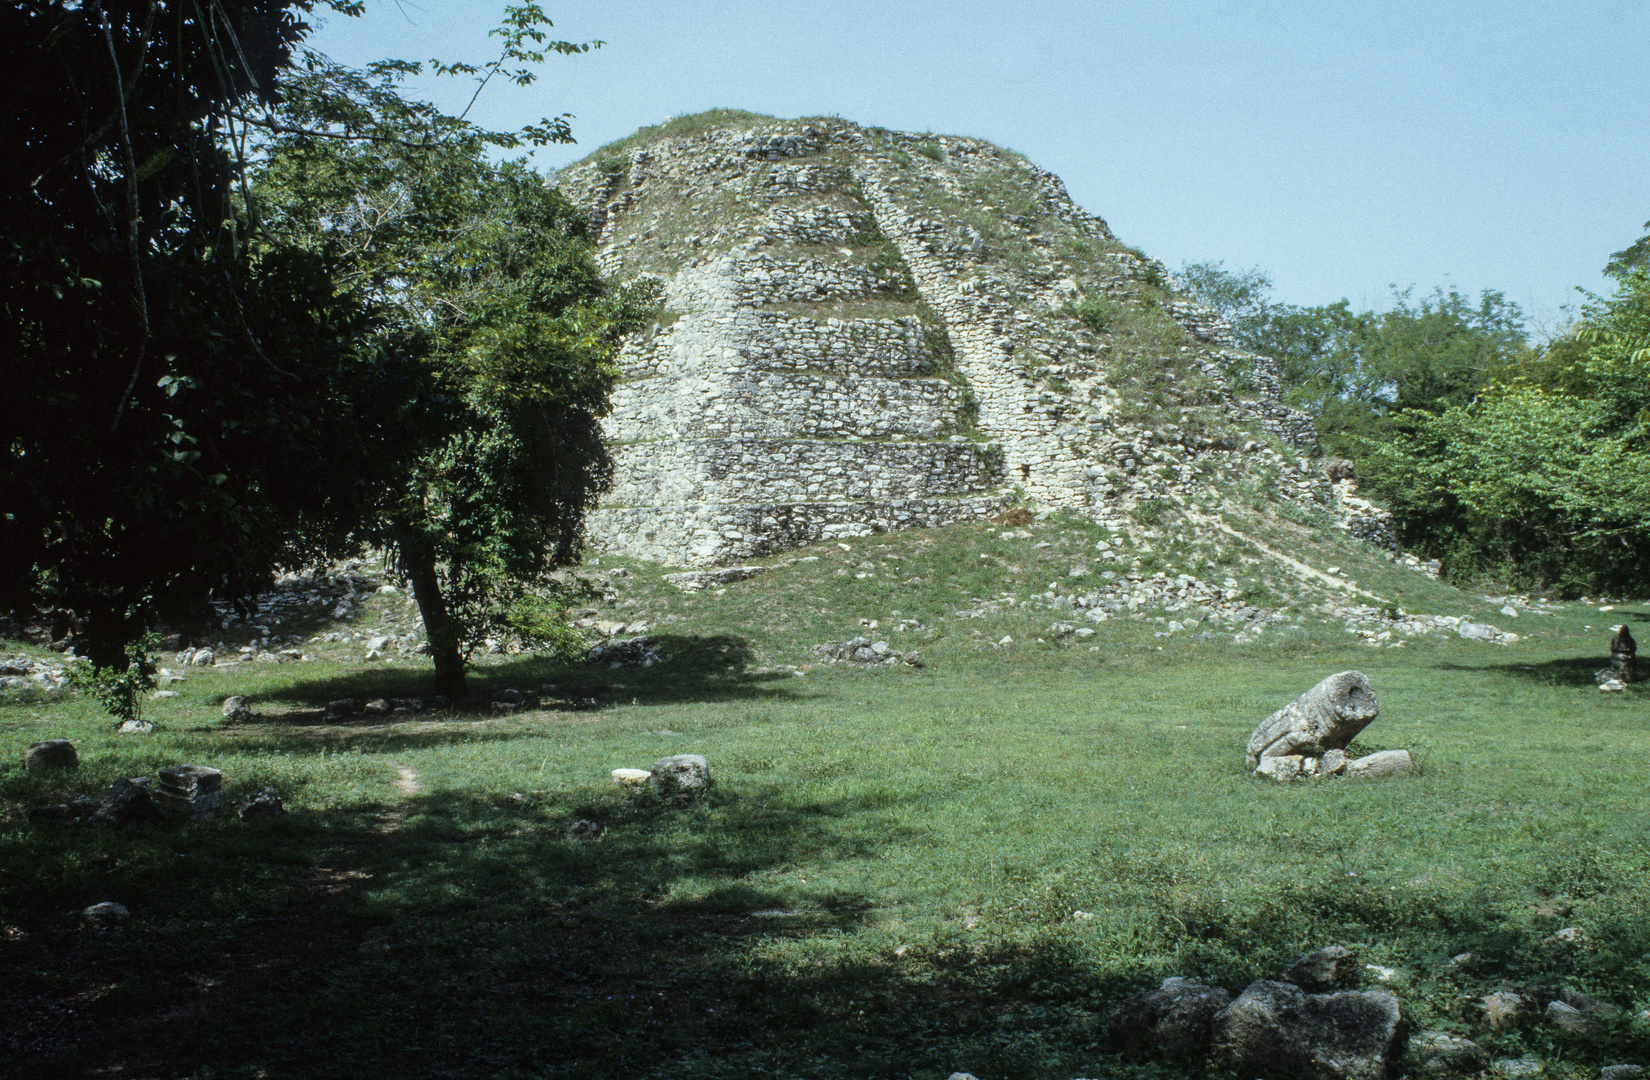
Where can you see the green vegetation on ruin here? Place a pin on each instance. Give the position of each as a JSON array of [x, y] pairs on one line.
[[679, 127]]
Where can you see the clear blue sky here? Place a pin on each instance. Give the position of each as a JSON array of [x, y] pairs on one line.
[[1340, 147]]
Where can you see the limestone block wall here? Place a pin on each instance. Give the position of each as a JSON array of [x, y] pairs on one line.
[[687, 472], [728, 532], [774, 404], [891, 348]]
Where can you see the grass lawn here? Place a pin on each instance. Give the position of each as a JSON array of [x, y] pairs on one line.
[[899, 872]]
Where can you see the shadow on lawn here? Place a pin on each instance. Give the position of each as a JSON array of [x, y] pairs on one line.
[[717, 667], [475, 938], [1575, 671]]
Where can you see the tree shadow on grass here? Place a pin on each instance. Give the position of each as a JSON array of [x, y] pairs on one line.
[[1577, 671], [693, 668], [469, 935], [475, 938], [713, 668]]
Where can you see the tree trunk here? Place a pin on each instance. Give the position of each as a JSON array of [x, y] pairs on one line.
[[105, 635], [418, 559]]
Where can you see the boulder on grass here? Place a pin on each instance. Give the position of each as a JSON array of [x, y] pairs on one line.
[[237, 709], [265, 803], [1440, 1053], [1334, 967], [1174, 1021], [680, 776], [1276, 1029], [125, 803], [1326, 717], [53, 753], [1504, 1009], [107, 913]]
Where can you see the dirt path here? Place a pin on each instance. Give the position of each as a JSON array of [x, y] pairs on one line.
[[406, 786], [1301, 569]]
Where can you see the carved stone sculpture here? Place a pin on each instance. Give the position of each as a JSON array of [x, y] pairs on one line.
[[1326, 717]]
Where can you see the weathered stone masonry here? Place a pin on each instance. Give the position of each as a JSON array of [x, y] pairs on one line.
[[870, 331]]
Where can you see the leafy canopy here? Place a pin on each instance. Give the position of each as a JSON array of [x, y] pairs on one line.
[[198, 411], [1355, 372], [481, 278]]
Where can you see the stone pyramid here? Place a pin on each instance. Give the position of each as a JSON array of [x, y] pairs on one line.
[[869, 330]]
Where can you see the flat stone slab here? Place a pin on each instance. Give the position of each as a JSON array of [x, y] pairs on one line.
[[1382, 763]]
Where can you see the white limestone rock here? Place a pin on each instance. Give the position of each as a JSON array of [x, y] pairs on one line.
[[1382, 763], [680, 776], [630, 778]]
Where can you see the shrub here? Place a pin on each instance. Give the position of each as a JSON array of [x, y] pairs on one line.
[[1149, 512]]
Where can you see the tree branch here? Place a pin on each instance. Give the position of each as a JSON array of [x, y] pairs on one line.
[[315, 133], [140, 301]]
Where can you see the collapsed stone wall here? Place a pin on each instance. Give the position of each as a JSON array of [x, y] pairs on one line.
[[869, 330]]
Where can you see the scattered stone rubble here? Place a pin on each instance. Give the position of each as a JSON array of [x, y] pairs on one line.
[[694, 580], [1473, 631], [20, 672], [1376, 628], [864, 652], [1360, 517], [1273, 1028], [1309, 736], [635, 652], [1314, 1024], [1559, 1007], [343, 708], [179, 793]]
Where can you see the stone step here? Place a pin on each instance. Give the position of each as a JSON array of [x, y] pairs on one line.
[[679, 472], [795, 404]]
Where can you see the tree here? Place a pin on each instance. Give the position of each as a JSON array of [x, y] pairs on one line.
[[480, 276], [1356, 372], [217, 390], [1242, 297], [194, 409], [1544, 478]]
